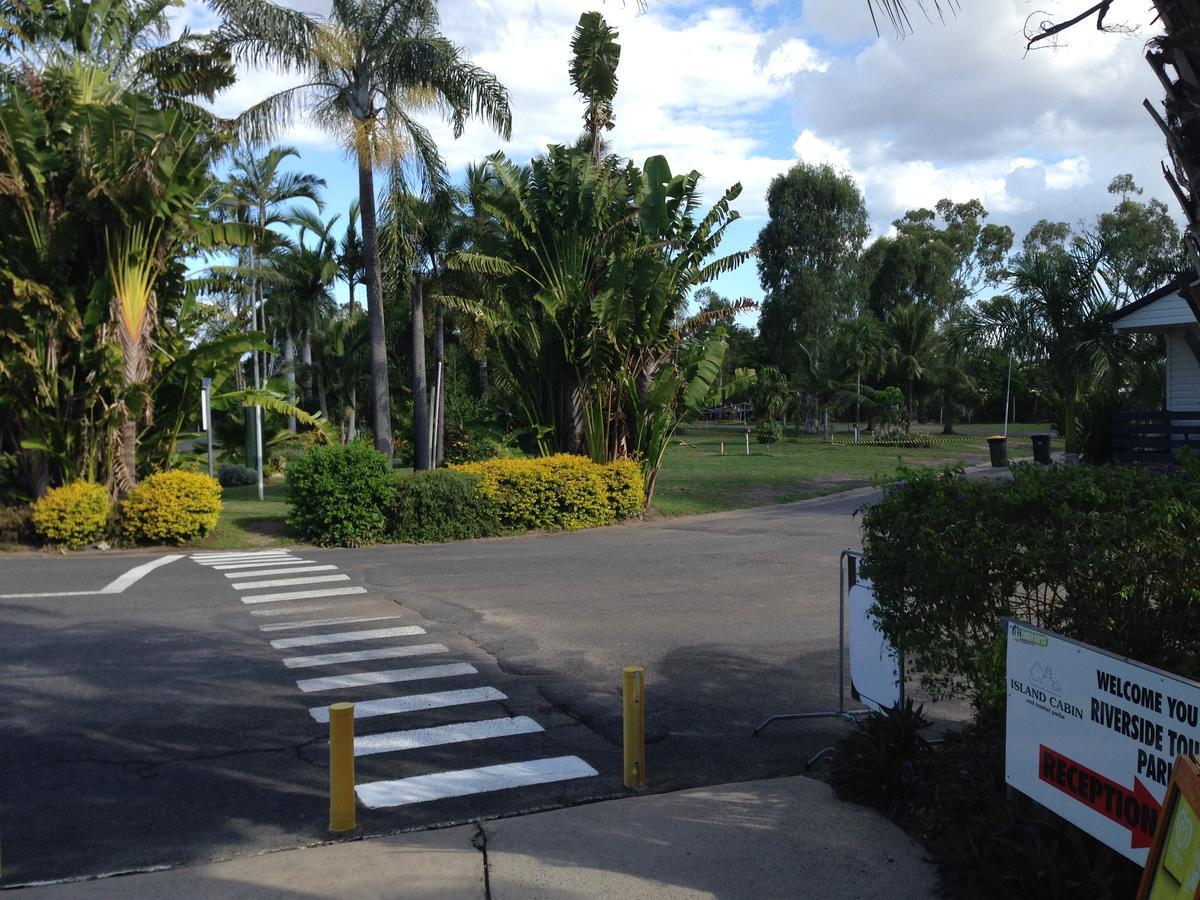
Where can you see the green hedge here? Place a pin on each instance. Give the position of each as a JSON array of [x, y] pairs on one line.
[[440, 505], [1103, 555], [339, 495], [347, 496]]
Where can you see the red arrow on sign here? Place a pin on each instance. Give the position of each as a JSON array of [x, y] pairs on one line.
[[1135, 809]]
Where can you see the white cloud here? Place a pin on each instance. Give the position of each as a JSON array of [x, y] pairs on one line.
[[961, 110], [954, 110]]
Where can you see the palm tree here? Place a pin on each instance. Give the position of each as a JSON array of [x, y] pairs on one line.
[[914, 339], [862, 343], [595, 54], [368, 69], [261, 188], [301, 300], [1056, 318], [350, 254]]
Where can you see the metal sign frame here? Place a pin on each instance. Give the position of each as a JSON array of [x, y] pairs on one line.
[[845, 582]]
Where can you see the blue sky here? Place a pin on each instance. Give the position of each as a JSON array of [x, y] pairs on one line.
[[742, 90]]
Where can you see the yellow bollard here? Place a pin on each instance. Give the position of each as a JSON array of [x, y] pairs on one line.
[[341, 768], [634, 678]]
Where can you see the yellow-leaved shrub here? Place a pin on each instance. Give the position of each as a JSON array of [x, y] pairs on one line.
[[171, 507], [75, 514], [560, 492], [626, 488]]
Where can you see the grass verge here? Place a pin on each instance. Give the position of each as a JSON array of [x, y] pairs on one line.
[[696, 478], [247, 522]]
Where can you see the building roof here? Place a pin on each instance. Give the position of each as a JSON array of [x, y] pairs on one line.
[[1169, 295]]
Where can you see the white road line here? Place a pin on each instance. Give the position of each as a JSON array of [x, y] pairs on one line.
[[423, 788], [340, 637], [288, 582], [391, 741], [213, 554], [301, 609], [257, 557], [282, 561], [392, 676], [116, 586], [314, 623], [332, 659], [263, 573], [414, 703], [304, 595]]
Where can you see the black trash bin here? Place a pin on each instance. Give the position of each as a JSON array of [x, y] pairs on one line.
[[998, 448], [1041, 449]]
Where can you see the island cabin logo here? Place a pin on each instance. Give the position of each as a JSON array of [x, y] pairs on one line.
[[1029, 636]]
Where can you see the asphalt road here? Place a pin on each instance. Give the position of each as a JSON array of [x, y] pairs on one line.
[[159, 726]]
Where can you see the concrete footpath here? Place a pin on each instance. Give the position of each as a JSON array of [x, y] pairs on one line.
[[786, 837]]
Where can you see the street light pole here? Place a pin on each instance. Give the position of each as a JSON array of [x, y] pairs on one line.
[[206, 417], [1008, 394]]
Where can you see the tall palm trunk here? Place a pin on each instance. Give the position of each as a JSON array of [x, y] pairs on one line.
[[439, 353], [381, 418], [419, 386], [306, 359], [352, 418], [483, 375], [947, 411], [289, 369], [908, 419]]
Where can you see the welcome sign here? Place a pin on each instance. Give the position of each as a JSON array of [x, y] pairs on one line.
[[1093, 736]]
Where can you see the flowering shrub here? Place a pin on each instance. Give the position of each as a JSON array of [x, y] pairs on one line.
[[75, 514], [560, 492], [171, 507], [626, 488]]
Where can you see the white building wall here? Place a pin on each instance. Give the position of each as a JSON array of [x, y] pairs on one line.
[[1183, 373], [1169, 310]]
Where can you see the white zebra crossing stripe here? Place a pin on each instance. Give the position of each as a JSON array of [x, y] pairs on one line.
[[388, 706], [222, 560], [315, 623], [332, 659], [237, 554], [282, 561], [391, 741], [439, 785], [340, 637], [287, 582], [263, 573], [304, 595], [228, 557], [305, 608], [393, 676]]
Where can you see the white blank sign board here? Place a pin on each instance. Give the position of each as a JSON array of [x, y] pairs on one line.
[[874, 663]]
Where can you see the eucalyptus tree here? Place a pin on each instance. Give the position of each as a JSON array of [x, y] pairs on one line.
[[807, 257], [368, 71]]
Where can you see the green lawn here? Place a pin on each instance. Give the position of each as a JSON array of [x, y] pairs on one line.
[[695, 478], [246, 522]]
